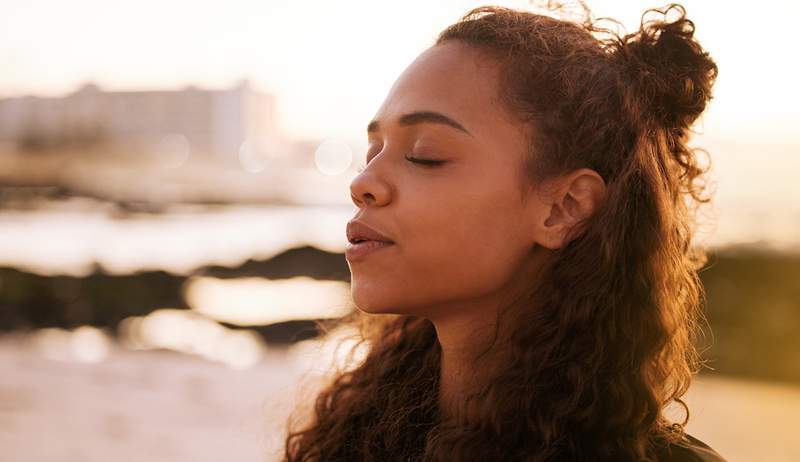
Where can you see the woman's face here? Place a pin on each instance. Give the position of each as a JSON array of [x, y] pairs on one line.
[[461, 228]]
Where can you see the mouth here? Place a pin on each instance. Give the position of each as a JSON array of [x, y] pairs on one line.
[[359, 232], [357, 249], [361, 240]]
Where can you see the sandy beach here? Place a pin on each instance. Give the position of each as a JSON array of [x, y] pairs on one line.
[[167, 406]]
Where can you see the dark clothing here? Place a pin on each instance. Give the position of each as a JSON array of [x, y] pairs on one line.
[[690, 449]]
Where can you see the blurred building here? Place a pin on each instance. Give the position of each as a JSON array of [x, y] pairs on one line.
[[215, 122]]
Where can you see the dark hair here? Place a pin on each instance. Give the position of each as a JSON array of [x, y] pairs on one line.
[[605, 338]]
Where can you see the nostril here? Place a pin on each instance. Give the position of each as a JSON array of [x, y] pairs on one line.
[[362, 198], [356, 199]]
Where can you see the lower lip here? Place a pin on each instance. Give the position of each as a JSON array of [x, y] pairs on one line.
[[362, 249]]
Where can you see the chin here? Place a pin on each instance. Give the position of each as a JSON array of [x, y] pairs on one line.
[[375, 301], [373, 307]]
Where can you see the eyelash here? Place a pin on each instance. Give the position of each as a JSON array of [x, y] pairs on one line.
[[428, 163], [425, 162]]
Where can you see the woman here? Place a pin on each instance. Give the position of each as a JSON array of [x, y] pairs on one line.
[[521, 254]]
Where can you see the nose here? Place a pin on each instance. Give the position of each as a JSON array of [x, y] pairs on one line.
[[368, 189]]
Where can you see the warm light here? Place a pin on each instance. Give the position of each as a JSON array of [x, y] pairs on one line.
[[189, 332], [173, 150], [251, 301], [85, 344], [53, 240], [339, 350], [89, 344], [251, 158], [333, 157]]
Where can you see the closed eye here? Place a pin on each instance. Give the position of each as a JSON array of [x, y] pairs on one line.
[[417, 160], [425, 162]]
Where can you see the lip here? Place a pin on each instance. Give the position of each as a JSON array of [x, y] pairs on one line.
[[360, 230], [370, 239], [355, 252]]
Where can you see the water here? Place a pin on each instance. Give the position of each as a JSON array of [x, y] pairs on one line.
[[70, 237]]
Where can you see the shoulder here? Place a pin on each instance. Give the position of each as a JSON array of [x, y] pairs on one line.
[[689, 449]]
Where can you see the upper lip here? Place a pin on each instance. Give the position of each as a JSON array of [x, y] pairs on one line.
[[357, 230]]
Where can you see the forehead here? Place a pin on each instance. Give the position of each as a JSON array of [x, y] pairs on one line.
[[454, 79]]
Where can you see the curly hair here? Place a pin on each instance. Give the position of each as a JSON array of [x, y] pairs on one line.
[[604, 340]]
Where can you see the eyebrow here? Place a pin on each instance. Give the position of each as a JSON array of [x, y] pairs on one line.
[[420, 117]]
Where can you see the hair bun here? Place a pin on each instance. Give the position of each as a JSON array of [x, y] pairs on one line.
[[671, 74]]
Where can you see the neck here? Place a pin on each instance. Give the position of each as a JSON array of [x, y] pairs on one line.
[[463, 340], [465, 334]]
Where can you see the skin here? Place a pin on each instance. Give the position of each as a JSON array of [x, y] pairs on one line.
[[466, 234]]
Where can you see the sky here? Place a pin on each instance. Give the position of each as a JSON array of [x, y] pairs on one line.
[[331, 63]]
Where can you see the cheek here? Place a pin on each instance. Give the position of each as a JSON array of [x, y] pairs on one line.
[[455, 251], [472, 256]]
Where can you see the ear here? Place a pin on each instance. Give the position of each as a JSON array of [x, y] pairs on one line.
[[570, 200]]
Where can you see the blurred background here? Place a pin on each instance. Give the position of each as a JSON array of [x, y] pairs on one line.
[[174, 193]]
